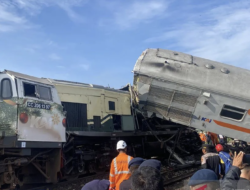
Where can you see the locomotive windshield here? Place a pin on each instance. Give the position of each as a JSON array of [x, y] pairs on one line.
[[6, 91]]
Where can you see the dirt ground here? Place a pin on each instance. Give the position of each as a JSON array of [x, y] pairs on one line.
[[181, 185]]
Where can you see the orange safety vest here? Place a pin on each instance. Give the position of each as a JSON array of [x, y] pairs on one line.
[[203, 137], [119, 170]]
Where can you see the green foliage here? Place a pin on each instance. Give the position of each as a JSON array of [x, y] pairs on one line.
[[58, 107], [36, 112], [29, 111], [8, 117], [8, 113]]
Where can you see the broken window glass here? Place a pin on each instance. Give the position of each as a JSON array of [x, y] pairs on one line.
[[37, 91], [29, 90]]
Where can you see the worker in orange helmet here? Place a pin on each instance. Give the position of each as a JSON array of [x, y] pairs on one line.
[[119, 170], [225, 157]]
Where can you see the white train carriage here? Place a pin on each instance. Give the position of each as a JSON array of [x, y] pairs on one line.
[[194, 92]]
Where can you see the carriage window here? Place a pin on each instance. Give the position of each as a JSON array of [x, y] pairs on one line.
[[29, 90], [45, 93], [6, 90], [111, 105], [231, 112]]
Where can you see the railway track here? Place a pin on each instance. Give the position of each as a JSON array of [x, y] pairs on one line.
[[171, 176], [176, 180]]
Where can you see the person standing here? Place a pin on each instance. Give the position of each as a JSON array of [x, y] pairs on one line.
[[231, 180], [244, 181], [212, 161], [203, 137], [204, 179], [148, 176], [119, 170], [224, 156], [221, 139], [214, 138], [133, 166], [208, 138]]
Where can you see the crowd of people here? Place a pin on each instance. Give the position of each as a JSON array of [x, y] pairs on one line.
[[128, 173], [222, 168], [237, 177], [212, 138]]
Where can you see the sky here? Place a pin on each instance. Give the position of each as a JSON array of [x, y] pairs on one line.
[[99, 41]]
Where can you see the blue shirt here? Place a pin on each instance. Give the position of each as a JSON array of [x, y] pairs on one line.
[[226, 159]]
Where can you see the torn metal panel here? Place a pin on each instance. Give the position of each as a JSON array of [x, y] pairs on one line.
[[181, 68], [193, 91]]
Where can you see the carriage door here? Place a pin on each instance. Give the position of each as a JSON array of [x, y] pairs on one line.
[[112, 119], [8, 106]]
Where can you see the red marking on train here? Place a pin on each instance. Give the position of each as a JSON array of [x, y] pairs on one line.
[[248, 112], [230, 126]]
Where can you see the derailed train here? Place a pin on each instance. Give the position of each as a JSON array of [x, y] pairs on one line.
[[54, 129]]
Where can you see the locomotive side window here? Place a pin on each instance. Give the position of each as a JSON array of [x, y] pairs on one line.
[[6, 90], [111, 105], [45, 93], [29, 90], [232, 112]]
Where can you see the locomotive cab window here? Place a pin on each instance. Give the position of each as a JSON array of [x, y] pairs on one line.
[[29, 89], [6, 89], [37, 91], [231, 112], [111, 105], [45, 93]]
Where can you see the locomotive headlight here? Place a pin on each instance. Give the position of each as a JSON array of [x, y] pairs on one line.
[[64, 122], [24, 117]]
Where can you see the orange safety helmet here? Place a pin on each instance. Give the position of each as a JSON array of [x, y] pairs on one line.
[[219, 147]]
